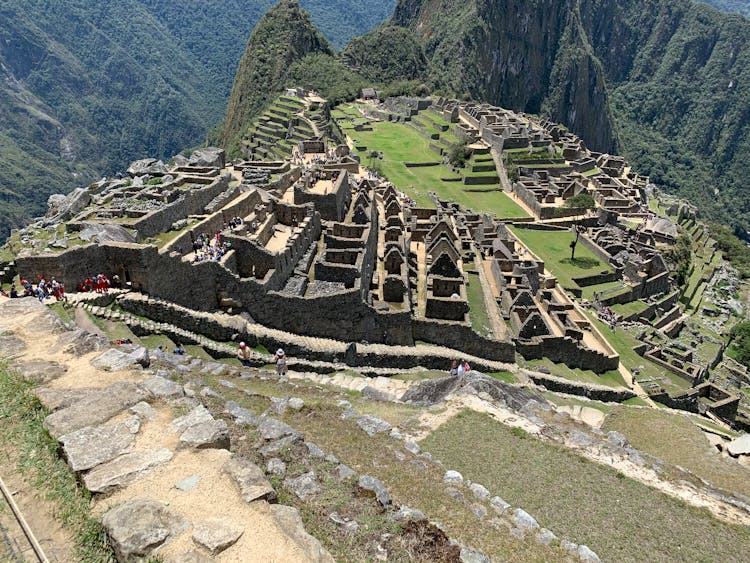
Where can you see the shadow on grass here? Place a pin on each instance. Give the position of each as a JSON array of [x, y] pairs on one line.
[[585, 262]]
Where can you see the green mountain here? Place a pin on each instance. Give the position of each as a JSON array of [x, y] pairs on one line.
[[285, 34], [665, 81], [86, 87]]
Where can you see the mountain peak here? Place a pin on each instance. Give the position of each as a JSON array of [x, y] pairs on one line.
[[283, 35]]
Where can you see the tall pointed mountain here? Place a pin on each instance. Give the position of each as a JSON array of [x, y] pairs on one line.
[[284, 35]]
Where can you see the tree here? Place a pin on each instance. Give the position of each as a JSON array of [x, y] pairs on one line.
[[578, 230], [740, 339]]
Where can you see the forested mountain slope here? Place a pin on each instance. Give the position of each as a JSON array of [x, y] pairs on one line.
[[666, 81], [737, 6], [86, 86]]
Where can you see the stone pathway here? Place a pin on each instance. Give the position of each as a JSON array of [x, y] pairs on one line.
[[156, 476]]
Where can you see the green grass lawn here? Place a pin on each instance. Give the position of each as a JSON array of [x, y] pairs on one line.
[[610, 378], [480, 320], [627, 309], [623, 343], [554, 248], [401, 143], [619, 518], [680, 442]]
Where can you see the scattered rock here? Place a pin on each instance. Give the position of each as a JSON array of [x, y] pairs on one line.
[[586, 555], [40, 371], [241, 415], [124, 469], [372, 424], [405, 513], [92, 446], [150, 166], [568, 545], [228, 384], [524, 520], [374, 485], [138, 526], [412, 447], [116, 360], [470, 555], [190, 557], [546, 537], [216, 534], [133, 424], [10, 345], [453, 477], [163, 388], [499, 505], [289, 520], [210, 157], [196, 416], [278, 405], [188, 483], [315, 451], [275, 466], [305, 486], [143, 410], [377, 394], [250, 480], [345, 472], [419, 464], [579, 439], [273, 429], [56, 399], [206, 435], [81, 342], [479, 491], [273, 449], [295, 403], [210, 393], [396, 434]]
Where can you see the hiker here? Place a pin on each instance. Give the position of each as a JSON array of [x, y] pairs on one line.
[[244, 354], [180, 350], [454, 367], [280, 359]]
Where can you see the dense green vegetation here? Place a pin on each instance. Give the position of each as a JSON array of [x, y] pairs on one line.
[[586, 201], [734, 249], [386, 54], [680, 257], [668, 83], [282, 37], [86, 87]]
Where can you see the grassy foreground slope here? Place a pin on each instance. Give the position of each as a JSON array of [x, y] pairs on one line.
[[620, 519]]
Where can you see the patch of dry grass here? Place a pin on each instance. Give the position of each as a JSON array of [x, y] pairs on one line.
[[675, 439], [619, 518]]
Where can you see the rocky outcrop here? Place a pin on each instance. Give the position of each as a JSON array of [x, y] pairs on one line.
[[211, 157], [150, 166], [124, 469]]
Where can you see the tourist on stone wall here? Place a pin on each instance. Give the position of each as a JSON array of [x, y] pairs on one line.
[[454, 367], [244, 354]]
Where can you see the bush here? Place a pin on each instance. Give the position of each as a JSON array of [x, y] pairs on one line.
[[582, 200]]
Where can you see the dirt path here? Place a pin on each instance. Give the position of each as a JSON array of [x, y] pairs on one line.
[[216, 495]]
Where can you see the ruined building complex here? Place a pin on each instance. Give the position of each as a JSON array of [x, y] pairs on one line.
[[315, 243]]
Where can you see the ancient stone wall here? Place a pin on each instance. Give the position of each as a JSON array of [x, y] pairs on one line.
[[567, 351], [595, 392], [461, 337]]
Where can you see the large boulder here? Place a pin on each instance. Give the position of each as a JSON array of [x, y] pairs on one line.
[[198, 415], [92, 446], [212, 157], [290, 521], [80, 342], [372, 425], [212, 434], [250, 479], [149, 166], [216, 534], [740, 446], [139, 526], [104, 232], [125, 469], [41, 371], [62, 208], [95, 408]]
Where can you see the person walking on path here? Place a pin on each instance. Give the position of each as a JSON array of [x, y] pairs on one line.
[[280, 359]]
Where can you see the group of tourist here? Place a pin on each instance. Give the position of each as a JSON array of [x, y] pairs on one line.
[[245, 355], [44, 289], [98, 284], [460, 367], [607, 315], [235, 223], [208, 248]]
